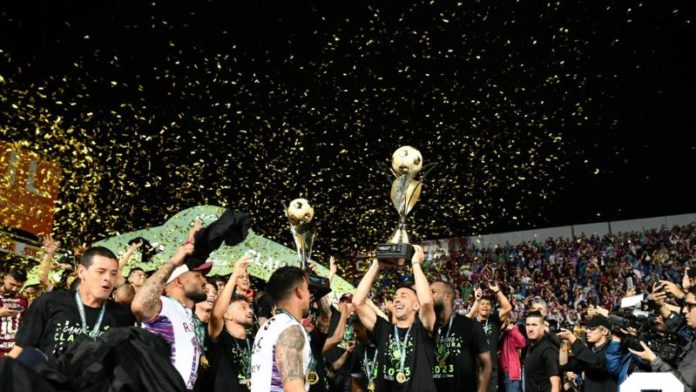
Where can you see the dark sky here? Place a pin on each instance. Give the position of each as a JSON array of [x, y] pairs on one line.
[[538, 114]]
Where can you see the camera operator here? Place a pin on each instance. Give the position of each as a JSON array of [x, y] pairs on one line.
[[686, 361], [592, 360]]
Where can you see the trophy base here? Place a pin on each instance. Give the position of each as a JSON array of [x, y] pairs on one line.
[[318, 285], [396, 254]]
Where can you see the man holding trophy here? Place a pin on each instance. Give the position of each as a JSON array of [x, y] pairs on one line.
[[406, 347], [282, 358]]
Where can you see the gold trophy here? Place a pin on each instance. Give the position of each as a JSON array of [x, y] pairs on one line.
[[407, 163], [300, 214]]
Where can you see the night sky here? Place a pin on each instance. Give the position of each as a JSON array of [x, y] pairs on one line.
[[537, 113]]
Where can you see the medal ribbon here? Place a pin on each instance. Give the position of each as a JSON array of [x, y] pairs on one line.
[[401, 347], [94, 332], [370, 366], [246, 354]]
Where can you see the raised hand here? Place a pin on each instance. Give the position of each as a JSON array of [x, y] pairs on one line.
[[180, 255], [418, 255], [194, 229], [49, 245]]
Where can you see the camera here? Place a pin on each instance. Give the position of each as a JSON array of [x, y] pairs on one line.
[[661, 340], [391, 253]]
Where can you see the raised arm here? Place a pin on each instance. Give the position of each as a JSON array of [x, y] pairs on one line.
[[120, 280], [366, 314], [505, 306], [146, 303], [288, 356], [473, 312], [49, 247], [340, 331], [425, 296], [217, 322]]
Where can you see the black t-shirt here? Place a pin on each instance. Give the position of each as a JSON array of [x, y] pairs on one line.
[[359, 364], [491, 327], [53, 322], [456, 353], [230, 361], [540, 364], [316, 343], [418, 364], [340, 379]]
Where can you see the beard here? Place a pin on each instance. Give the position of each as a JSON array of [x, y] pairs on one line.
[[196, 296], [439, 306]]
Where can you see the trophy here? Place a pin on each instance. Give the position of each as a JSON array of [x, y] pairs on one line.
[[407, 163], [300, 213]]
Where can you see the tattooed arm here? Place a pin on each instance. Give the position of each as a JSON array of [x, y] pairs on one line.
[[146, 303], [288, 356]]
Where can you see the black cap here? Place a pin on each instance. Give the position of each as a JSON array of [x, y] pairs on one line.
[[598, 321]]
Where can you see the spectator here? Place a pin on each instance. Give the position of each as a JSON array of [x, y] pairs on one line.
[[12, 308]]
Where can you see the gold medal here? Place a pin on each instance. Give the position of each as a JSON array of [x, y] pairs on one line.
[[443, 364], [204, 362], [312, 378], [248, 383], [400, 377], [371, 386]]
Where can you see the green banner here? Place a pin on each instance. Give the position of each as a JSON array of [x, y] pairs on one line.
[[267, 255]]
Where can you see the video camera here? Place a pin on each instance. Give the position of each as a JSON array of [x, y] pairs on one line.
[[636, 312]]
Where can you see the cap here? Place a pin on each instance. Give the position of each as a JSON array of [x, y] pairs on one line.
[[598, 321], [182, 269]]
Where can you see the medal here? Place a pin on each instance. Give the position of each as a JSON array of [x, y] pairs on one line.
[[443, 364], [371, 386], [312, 377], [248, 383], [400, 377]]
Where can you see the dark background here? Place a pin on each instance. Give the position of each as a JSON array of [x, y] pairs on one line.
[[537, 114]]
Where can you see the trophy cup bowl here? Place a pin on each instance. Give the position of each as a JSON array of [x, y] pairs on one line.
[[407, 163], [300, 214]]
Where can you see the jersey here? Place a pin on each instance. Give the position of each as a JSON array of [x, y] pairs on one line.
[[265, 376], [175, 325]]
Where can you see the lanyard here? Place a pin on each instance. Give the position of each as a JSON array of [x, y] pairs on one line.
[[246, 356], [94, 332], [370, 365], [401, 346], [449, 328]]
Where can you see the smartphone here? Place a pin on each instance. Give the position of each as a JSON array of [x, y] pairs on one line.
[[629, 283]]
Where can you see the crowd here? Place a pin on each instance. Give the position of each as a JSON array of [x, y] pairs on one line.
[[559, 315]]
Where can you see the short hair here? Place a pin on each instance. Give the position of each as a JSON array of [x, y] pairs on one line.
[[134, 270], [449, 289], [487, 298], [539, 300], [18, 275], [406, 286], [283, 281], [534, 313], [88, 256]]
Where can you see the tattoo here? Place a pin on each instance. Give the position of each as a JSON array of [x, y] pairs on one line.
[[289, 354], [149, 294]]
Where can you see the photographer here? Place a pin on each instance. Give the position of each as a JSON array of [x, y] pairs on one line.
[[686, 361], [592, 360]]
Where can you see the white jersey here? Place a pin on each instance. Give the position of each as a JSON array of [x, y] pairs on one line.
[[265, 376], [174, 324]]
